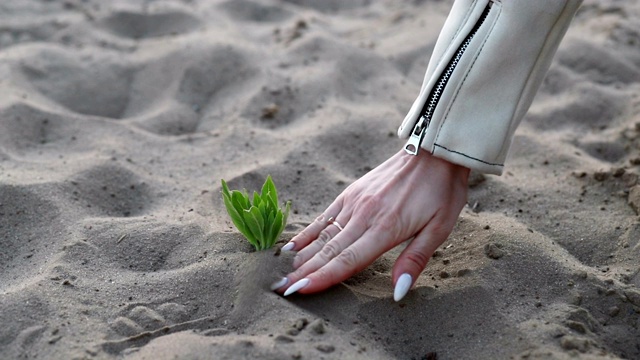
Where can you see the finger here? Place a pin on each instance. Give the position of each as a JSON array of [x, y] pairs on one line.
[[329, 251], [415, 256], [311, 232], [349, 262], [329, 232], [325, 236]]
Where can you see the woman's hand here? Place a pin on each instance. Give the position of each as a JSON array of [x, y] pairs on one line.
[[406, 197]]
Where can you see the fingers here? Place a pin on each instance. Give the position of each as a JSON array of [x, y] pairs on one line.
[[348, 262], [311, 232], [416, 255], [330, 243], [319, 253], [330, 231]]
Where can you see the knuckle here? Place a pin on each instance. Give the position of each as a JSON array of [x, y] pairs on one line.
[[371, 202], [349, 259], [418, 259], [346, 264], [324, 237], [321, 218], [298, 260], [329, 251], [302, 234]]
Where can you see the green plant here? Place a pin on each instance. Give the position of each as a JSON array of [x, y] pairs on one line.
[[261, 221]]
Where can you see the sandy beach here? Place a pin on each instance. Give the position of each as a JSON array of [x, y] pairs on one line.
[[118, 119]]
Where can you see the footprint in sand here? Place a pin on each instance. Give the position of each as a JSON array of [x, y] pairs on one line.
[[330, 6], [109, 189], [142, 318], [184, 93], [138, 25], [606, 151], [252, 11], [150, 246], [28, 130], [90, 85], [25, 245]]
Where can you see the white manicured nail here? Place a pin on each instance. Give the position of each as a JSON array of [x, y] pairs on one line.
[[402, 286], [280, 283], [297, 286], [288, 246]]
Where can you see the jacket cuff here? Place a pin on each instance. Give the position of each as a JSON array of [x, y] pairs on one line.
[[486, 67]]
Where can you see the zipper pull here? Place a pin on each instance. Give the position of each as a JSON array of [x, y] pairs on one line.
[[413, 145]]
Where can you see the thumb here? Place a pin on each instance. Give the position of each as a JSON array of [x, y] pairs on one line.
[[415, 256]]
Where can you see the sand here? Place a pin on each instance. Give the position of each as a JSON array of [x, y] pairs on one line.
[[118, 120]]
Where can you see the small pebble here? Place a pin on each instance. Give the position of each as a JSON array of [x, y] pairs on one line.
[[283, 339], [494, 251], [576, 326], [463, 272], [326, 348], [613, 311], [574, 343], [317, 326], [633, 296], [300, 323]]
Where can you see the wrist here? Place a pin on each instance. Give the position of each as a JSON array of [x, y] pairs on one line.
[[431, 163]]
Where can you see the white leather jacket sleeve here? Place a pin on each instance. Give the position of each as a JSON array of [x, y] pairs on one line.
[[486, 67]]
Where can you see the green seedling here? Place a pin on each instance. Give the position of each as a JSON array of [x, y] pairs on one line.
[[261, 221]]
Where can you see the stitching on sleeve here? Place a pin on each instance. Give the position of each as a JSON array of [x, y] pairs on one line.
[[467, 156]]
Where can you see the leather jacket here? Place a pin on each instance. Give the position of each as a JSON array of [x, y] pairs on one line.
[[486, 67]]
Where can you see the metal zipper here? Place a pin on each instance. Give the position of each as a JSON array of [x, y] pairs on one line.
[[419, 131]]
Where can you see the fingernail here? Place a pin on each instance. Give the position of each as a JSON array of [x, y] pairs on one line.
[[297, 286], [402, 287], [288, 246], [280, 283]]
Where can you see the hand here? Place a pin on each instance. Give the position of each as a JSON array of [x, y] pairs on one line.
[[407, 197]]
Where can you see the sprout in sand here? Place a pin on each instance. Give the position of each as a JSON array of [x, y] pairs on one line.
[[261, 221]]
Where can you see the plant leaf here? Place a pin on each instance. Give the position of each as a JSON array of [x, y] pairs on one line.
[[234, 213], [252, 239], [272, 205], [258, 218], [274, 194], [271, 191], [286, 213], [225, 188], [239, 201], [236, 218], [268, 228], [256, 199], [255, 223], [277, 226]]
